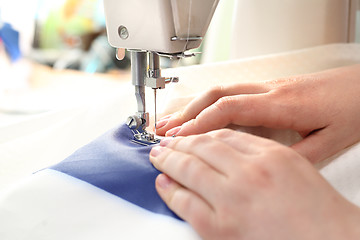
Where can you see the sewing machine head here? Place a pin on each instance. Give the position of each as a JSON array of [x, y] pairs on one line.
[[153, 28]]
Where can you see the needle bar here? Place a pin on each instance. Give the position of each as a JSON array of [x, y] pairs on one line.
[[155, 107]]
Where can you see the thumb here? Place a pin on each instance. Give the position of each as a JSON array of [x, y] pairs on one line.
[[318, 146]]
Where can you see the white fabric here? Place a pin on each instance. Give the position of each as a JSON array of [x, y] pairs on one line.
[[58, 206], [32, 209]]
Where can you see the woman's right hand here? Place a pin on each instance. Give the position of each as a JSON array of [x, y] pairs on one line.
[[323, 107]]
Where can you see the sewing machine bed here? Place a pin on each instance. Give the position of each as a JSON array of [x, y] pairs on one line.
[[52, 205]]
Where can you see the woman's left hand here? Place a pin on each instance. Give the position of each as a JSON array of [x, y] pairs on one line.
[[231, 185]]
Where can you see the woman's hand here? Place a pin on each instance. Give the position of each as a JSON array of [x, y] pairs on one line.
[[231, 185], [323, 107]]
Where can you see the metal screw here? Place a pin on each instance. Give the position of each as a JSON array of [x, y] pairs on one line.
[[133, 122], [123, 32]]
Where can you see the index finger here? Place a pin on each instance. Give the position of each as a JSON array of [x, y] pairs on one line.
[[266, 109], [206, 99], [243, 142], [219, 155]]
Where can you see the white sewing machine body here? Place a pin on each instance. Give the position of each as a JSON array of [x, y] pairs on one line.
[[248, 28], [150, 29], [164, 26]]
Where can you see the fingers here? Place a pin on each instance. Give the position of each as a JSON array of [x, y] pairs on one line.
[[243, 142], [214, 153], [120, 54], [199, 163], [189, 170], [194, 181], [205, 100], [186, 204], [245, 110]]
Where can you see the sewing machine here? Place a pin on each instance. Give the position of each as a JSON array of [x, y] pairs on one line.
[[150, 29]]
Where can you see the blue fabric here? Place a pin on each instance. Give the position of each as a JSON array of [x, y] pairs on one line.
[[115, 164], [10, 38]]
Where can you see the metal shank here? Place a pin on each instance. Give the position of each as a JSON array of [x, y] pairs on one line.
[[138, 71], [145, 73]]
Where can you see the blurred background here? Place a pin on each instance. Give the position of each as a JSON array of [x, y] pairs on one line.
[[64, 34], [38, 37], [70, 34]]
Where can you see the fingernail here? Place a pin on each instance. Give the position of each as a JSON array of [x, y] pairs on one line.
[[165, 141], [155, 151], [173, 132], [161, 123], [163, 181]]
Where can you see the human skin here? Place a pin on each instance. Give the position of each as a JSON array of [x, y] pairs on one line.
[[322, 107], [260, 190]]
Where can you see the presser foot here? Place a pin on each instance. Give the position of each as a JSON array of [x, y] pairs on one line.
[[141, 136], [144, 138]]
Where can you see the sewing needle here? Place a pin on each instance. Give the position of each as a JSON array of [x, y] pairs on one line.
[[155, 107]]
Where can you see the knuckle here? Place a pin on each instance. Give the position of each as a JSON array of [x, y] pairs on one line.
[[260, 175], [179, 115], [162, 158], [284, 95], [279, 82], [215, 91], [197, 140], [262, 169], [275, 156], [185, 163], [224, 103], [289, 88], [223, 133], [183, 200], [173, 144], [196, 171], [192, 168], [192, 123]]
